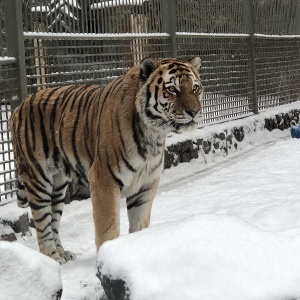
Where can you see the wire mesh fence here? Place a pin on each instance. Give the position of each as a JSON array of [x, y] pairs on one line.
[[225, 75], [53, 62], [249, 50], [89, 16], [277, 17], [208, 16], [277, 71]]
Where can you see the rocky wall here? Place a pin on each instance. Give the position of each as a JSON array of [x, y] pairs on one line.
[[225, 141]]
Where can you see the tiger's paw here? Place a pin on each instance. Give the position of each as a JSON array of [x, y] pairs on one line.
[[55, 255], [68, 255]]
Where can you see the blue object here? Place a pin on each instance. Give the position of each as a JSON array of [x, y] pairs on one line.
[[295, 132]]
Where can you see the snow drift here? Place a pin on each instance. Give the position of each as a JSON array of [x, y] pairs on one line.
[[209, 256], [27, 274]]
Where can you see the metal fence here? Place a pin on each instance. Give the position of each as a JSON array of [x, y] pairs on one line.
[[250, 50]]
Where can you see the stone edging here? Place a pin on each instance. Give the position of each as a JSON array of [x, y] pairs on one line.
[[225, 141]]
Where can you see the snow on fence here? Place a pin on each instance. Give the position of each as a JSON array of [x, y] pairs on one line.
[[249, 51]]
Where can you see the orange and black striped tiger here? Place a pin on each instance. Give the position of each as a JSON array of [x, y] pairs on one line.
[[112, 139]]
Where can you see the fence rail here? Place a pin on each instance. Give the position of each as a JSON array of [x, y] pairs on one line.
[[250, 51]]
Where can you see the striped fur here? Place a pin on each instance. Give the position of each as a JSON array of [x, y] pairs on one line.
[[112, 139]]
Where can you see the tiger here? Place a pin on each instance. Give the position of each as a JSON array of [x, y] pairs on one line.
[[111, 139]]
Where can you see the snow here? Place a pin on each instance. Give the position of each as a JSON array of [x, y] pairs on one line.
[[88, 36], [116, 3], [204, 34], [242, 35], [26, 274], [231, 232], [206, 256], [10, 212], [227, 225], [7, 59], [277, 36]]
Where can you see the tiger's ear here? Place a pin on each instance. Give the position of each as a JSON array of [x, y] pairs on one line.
[[196, 62], [148, 65]]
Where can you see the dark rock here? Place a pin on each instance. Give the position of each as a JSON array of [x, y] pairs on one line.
[[206, 146], [199, 142], [268, 125], [79, 192], [221, 136], [186, 146], [6, 233], [239, 133], [178, 148], [175, 162], [296, 116], [216, 145], [115, 289], [286, 117], [278, 118], [171, 148], [185, 157], [57, 296], [194, 154], [20, 225], [24, 223], [76, 191], [229, 139]]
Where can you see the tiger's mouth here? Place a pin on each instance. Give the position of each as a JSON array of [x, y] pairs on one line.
[[186, 123], [184, 120]]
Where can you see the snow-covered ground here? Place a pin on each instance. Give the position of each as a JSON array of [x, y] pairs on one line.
[[238, 222]]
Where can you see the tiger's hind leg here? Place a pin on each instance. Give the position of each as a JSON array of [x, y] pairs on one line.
[[40, 204], [60, 185]]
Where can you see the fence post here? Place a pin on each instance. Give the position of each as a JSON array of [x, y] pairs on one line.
[[250, 29], [13, 19], [170, 23]]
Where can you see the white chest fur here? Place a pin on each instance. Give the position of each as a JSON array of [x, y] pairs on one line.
[[148, 169]]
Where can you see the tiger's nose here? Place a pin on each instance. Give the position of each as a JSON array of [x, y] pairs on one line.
[[192, 112]]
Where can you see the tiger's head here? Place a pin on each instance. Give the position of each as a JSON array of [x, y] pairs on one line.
[[171, 93]]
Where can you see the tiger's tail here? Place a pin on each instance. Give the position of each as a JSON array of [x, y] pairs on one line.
[[21, 191]]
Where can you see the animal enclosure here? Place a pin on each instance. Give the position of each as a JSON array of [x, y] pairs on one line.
[[250, 51]]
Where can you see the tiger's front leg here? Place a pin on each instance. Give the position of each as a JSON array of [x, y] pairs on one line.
[[139, 207], [106, 196]]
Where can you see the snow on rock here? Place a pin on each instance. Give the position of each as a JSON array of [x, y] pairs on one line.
[[253, 123], [27, 275], [11, 211], [216, 141], [6, 233], [15, 217], [215, 257]]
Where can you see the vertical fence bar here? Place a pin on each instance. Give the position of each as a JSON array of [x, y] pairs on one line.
[[296, 29], [170, 23], [250, 29], [15, 43]]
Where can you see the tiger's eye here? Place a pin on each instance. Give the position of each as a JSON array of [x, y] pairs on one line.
[[196, 88], [171, 90]]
